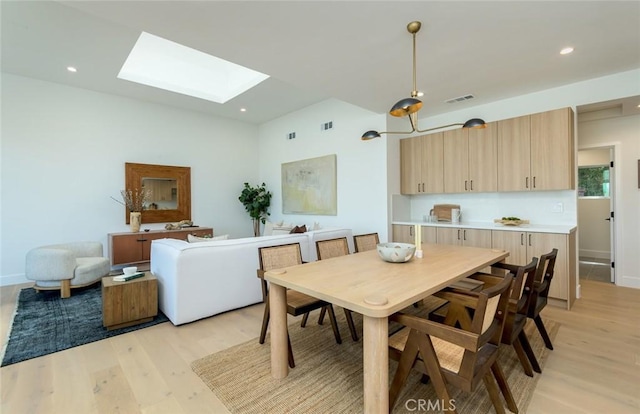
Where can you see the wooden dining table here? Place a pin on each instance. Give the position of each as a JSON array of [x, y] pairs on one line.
[[366, 284]]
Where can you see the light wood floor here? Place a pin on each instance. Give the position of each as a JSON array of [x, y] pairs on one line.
[[595, 367]]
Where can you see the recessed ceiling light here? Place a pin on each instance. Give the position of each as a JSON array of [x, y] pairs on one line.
[[566, 50], [243, 109], [164, 64], [72, 69]]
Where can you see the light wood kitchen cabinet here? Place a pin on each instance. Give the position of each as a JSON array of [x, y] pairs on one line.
[[523, 246], [536, 152], [129, 248], [464, 237], [471, 159], [421, 164], [404, 233], [552, 150]]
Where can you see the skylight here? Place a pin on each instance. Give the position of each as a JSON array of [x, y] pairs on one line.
[[164, 64]]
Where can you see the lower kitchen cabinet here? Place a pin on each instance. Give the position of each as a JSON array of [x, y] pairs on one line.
[[523, 246], [404, 233], [464, 237]]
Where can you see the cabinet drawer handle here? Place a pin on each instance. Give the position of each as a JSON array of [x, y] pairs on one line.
[[534, 181], [464, 233], [418, 187], [471, 185], [423, 187], [410, 231], [526, 182], [458, 234], [521, 239], [529, 240], [142, 240], [465, 186]]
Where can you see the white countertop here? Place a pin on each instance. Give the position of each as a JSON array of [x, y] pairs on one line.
[[484, 225]]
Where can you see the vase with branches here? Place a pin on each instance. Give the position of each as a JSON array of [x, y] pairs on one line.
[[135, 201], [256, 201]]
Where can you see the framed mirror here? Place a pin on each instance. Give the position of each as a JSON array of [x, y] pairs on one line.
[[170, 191]]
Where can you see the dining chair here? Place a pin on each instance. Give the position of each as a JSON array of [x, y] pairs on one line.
[[513, 333], [462, 351], [540, 292], [328, 249], [278, 257], [365, 242]]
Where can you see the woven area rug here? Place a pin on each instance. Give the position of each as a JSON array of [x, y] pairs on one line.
[[45, 323], [328, 377]]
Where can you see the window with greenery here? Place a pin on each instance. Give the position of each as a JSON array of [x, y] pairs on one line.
[[593, 181]]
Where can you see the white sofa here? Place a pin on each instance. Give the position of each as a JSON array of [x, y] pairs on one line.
[[198, 280]]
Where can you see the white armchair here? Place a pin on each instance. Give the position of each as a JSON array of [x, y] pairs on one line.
[[66, 266]]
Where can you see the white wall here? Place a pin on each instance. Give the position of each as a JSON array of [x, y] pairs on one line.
[[63, 155], [361, 165], [624, 134]]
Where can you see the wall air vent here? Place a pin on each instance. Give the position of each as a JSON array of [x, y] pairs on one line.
[[460, 99], [291, 135], [326, 126]]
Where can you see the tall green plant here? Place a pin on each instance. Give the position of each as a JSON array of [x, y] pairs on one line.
[[256, 201]]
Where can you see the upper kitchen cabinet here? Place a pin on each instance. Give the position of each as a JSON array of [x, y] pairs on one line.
[[552, 150], [536, 152], [421, 164], [471, 159]]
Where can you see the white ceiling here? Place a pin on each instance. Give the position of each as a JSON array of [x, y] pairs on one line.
[[355, 51]]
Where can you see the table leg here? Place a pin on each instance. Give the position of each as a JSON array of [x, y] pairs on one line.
[[279, 348], [376, 365]]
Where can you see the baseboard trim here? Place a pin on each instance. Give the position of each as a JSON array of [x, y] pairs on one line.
[[629, 281], [598, 254], [13, 280]]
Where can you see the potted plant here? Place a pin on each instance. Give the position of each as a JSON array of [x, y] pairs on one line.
[[256, 201]]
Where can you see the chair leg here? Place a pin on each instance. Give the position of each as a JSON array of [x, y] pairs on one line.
[[321, 317], [352, 328], [432, 365], [407, 359], [526, 346], [504, 387], [493, 393], [543, 332], [524, 360], [292, 363], [303, 323], [334, 323], [265, 321], [65, 288]]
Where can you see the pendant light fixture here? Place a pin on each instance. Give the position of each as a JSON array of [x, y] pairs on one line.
[[409, 107]]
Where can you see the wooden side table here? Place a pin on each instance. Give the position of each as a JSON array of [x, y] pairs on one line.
[[129, 303]]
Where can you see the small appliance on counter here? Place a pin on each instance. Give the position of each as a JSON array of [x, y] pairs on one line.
[[444, 212]]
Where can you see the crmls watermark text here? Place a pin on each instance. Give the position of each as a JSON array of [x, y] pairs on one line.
[[429, 405]]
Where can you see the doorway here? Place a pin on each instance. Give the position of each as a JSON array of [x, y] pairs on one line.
[[596, 214]]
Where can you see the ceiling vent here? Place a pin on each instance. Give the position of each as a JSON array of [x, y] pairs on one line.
[[460, 99]]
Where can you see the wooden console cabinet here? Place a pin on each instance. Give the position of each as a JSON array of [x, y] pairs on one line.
[[129, 248]]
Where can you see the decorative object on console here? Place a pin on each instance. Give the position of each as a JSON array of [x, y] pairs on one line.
[[299, 229], [195, 239], [179, 225], [256, 200], [135, 201], [410, 106]]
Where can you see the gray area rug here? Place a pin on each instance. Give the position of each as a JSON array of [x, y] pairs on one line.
[[45, 323]]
